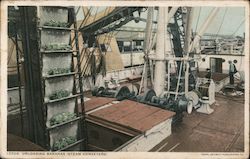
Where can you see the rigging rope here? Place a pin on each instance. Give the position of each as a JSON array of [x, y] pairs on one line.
[[237, 29], [197, 22], [11, 50], [223, 18], [99, 58]]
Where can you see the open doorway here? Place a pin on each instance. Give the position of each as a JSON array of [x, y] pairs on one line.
[[216, 65]]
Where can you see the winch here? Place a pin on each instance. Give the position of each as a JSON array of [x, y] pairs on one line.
[[169, 103], [120, 93], [178, 105]]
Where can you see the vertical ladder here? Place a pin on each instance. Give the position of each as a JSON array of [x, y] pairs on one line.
[[80, 79]]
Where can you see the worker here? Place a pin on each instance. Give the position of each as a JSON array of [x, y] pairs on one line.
[[232, 71], [209, 74]]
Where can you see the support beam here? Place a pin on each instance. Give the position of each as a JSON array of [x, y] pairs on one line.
[[188, 36], [169, 16], [160, 65], [188, 29]]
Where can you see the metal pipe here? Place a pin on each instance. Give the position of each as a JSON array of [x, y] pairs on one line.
[[168, 77], [142, 79], [186, 76], [187, 44], [170, 57], [167, 45], [160, 65], [178, 82], [203, 28], [151, 65], [131, 52]]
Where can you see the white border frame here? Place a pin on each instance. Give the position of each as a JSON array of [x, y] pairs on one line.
[[111, 155]]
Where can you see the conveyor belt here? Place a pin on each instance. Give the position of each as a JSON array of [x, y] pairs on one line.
[[117, 14]]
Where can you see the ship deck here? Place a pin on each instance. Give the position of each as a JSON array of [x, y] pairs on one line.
[[221, 131]]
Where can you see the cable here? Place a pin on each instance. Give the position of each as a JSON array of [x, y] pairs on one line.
[[97, 8], [12, 50], [198, 20], [238, 27], [85, 68], [230, 35], [223, 18], [77, 11]]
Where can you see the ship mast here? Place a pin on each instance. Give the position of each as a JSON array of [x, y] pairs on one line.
[[163, 47], [160, 63]]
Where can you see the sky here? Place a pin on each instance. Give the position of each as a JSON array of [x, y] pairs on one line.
[[233, 23]]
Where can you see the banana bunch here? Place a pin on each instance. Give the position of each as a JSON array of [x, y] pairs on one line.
[[59, 94], [57, 47], [54, 23], [62, 117], [63, 142], [58, 71]]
